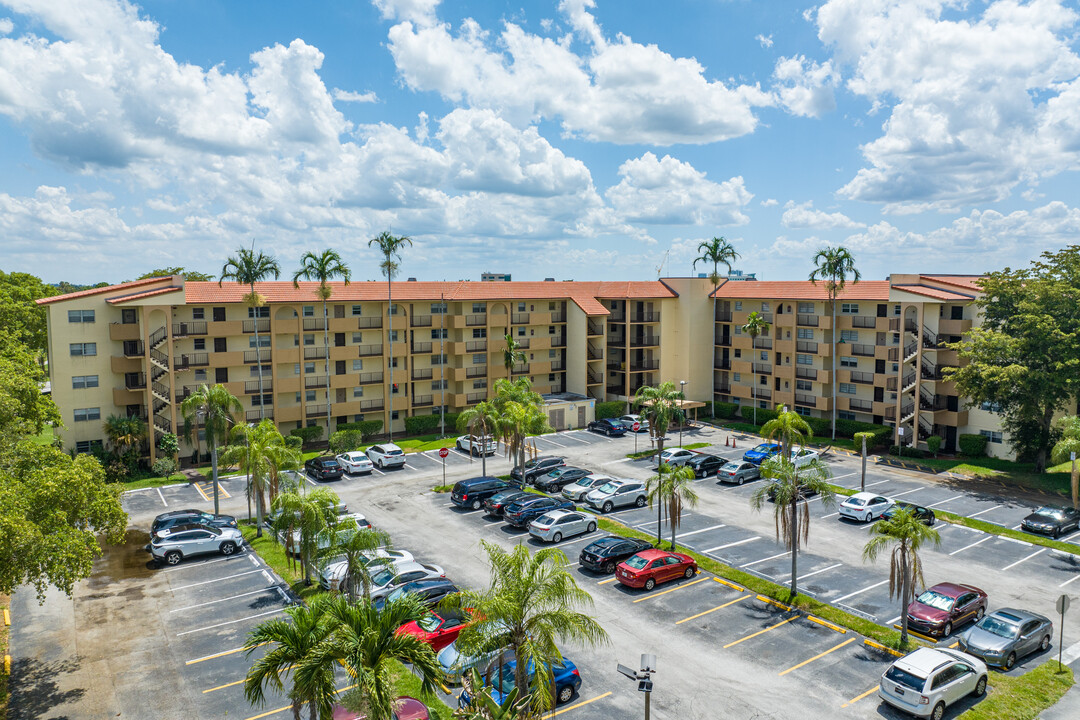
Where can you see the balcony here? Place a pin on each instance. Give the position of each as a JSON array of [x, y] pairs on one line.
[[370, 378], [477, 371], [311, 323], [422, 374], [806, 373], [368, 350], [473, 398], [519, 318], [644, 365], [723, 315], [475, 320], [615, 390], [266, 414], [645, 341], [135, 381], [862, 321], [557, 366], [762, 368], [314, 353], [124, 331], [523, 343], [193, 360], [315, 411], [721, 363], [862, 350], [423, 400], [420, 348], [187, 329], [865, 378], [372, 405], [860, 405], [251, 387], [723, 389], [262, 325], [558, 317], [368, 323], [762, 393], [420, 321], [558, 341], [645, 317], [763, 343], [806, 346], [133, 348], [315, 381], [251, 357], [806, 320], [616, 316], [805, 400], [475, 346], [722, 340], [521, 369]]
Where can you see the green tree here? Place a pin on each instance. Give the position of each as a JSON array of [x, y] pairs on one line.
[[303, 519], [833, 266], [660, 405], [358, 551], [755, 325], [1064, 449], [164, 467], [188, 275], [125, 433], [323, 268], [521, 414], [291, 642], [169, 444], [390, 246], [906, 535], [481, 421], [789, 428], [22, 319], [213, 408], [261, 454], [483, 707], [247, 268], [716, 252], [1025, 357], [512, 355], [534, 601], [672, 487], [24, 409]]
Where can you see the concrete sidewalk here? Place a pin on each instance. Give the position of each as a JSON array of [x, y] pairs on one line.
[[1067, 708]]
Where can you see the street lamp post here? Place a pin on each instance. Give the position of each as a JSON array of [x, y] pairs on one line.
[[682, 421], [642, 677]]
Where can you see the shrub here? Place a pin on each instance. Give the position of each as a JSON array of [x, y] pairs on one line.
[[848, 428], [308, 434], [367, 428], [611, 409], [169, 444], [724, 410], [345, 440], [428, 424], [820, 427], [117, 471], [294, 443], [763, 416], [973, 445], [934, 443], [164, 467], [908, 452]]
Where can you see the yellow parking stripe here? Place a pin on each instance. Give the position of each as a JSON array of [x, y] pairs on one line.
[[200, 491], [605, 582], [760, 632], [220, 654], [268, 713], [917, 634], [879, 646], [222, 687], [818, 656], [857, 698], [576, 706], [718, 607], [680, 587]]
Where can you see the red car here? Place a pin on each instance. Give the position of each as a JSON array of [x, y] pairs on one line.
[[937, 610], [650, 567], [436, 629], [406, 708]]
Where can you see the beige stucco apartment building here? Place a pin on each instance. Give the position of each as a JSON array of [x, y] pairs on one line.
[[140, 348]]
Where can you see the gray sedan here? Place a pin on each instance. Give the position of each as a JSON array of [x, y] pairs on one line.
[[738, 472], [1005, 635], [559, 524]]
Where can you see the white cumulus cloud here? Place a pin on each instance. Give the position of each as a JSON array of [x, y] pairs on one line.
[[804, 216], [805, 87]]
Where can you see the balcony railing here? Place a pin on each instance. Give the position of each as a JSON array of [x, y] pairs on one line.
[[422, 374], [477, 371], [595, 353], [722, 340], [158, 336], [474, 320], [135, 381], [159, 357], [558, 317], [475, 346], [315, 381], [162, 423], [423, 400], [645, 341], [421, 347], [133, 348], [370, 378], [251, 387], [368, 350], [368, 323], [644, 365], [762, 368], [519, 318], [805, 400], [723, 315], [723, 389], [186, 329], [615, 389], [595, 329], [805, 373], [267, 414], [557, 365], [645, 317], [192, 360], [890, 383], [862, 350], [763, 343], [806, 320], [315, 410], [420, 321], [763, 393], [860, 405], [894, 354], [722, 363], [312, 323], [523, 343], [862, 321], [865, 378], [371, 405], [806, 346], [894, 324], [263, 325], [558, 341], [252, 357], [521, 369], [314, 353], [475, 397], [595, 378]]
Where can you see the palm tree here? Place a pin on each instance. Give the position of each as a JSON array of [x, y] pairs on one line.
[[324, 267], [717, 251], [833, 266], [755, 325], [291, 643], [673, 487], [366, 641], [533, 601], [390, 246], [512, 355], [357, 549], [480, 421], [124, 432], [520, 415], [483, 707], [789, 427], [260, 452], [790, 487], [309, 516], [660, 406], [247, 268], [214, 407], [907, 534], [1068, 447]]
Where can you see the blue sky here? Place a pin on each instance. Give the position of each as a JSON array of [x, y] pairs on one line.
[[580, 139]]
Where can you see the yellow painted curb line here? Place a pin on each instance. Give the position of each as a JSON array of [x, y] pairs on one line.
[[879, 646], [918, 635], [731, 585], [7, 617], [827, 624], [7, 665], [762, 598], [854, 700]]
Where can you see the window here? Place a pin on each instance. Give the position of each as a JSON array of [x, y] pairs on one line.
[[804, 385], [479, 307], [394, 415], [551, 353], [267, 399], [83, 349], [296, 369], [845, 415], [220, 344], [264, 341], [309, 396], [357, 310], [357, 365], [438, 308], [219, 314], [849, 362], [848, 388], [479, 384], [129, 317], [762, 405], [764, 355], [736, 377], [309, 339], [393, 336], [221, 375], [262, 311], [479, 359], [438, 359], [198, 313], [521, 307], [991, 435], [80, 316], [805, 333], [308, 310], [357, 338], [738, 353], [764, 307], [86, 414], [438, 385], [521, 332], [806, 308], [957, 312], [738, 304], [990, 407], [296, 340], [802, 410], [551, 377], [200, 343], [849, 308], [738, 329], [849, 336], [479, 333], [392, 362], [439, 334], [88, 446], [358, 392], [200, 374], [79, 382], [309, 367], [804, 359], [266, 369], [896, 367], [895, 309], [298, 397]]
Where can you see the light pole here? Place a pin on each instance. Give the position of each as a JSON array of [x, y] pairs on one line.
[[642, 677], [682, 410]]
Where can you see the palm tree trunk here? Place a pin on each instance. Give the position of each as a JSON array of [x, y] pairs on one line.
[[258, 350], [671, 519], [326, 347], [712, 385], [905, 590], [795, 545], [833, 376], [260, 507], [390, 335], [213, 469], [659, 499], [297, 705], [483, 453], [314, 707]]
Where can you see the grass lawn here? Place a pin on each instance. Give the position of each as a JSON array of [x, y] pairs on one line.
[[1055, 480], [45, 437], [273, 554], [1023, 697], [158, 480]]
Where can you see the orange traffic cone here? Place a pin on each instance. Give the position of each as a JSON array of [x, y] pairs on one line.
[[727, 442], [733, 443]]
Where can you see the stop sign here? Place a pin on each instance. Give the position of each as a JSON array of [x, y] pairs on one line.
[[443, 452], [636, 426]]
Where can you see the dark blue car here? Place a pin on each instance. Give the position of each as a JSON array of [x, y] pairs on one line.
[[523, 512], [501, 679], [608, 426], [762, 452]]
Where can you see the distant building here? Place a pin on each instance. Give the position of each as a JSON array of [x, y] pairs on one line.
[[734, 275], [494, 277]]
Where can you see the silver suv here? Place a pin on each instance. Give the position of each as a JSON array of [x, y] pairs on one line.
[[929, 680], [617, 493], [182, 541]]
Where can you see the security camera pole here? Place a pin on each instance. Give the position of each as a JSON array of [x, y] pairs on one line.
[[642, 677]]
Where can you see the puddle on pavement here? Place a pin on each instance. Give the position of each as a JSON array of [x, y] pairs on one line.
[[123, 561]]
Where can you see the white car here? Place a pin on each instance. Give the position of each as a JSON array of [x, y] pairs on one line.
[[354, 462], [629, 420], [927, 681], [346, 526], [386, 455], [474, 446], [675, 456], [389, 579], [333, 574], [577, 491], [558, 524], [180, 541], [865, 506], [616, 493], [799, 458]]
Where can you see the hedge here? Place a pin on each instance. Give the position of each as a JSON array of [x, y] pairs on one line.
[[308, 434], [294, 443], [611, 409], [428, 424], [972, 445], [345, 440], [907, 452], [367, 428], [724, 410], [933, 443]]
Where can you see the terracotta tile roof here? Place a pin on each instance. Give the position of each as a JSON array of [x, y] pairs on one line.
[[584, 294], [97, 291], [800, 290], [140, 295], [968, 282], [936, 293]]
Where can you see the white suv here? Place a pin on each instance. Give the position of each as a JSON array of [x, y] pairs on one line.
[[928, 680], [474, 446], [617, 493], [180, 541], [386, 455]]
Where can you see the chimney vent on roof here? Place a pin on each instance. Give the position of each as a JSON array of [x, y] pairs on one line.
[[549, 279], [411, 280]]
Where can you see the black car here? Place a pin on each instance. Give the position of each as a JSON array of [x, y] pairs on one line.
[[705, 465], [429, 592], [537, 466], [608, 426], [495, 504], [325, 467], [1052, 520], [603, 555], [167, 520], [521, 513], [925, 514], [559, 478], [473, 492]]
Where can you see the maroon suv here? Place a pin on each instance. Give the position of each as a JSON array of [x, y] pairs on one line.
[[941, 608]]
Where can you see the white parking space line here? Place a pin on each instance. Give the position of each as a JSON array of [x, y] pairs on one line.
[[1072, 579], [1070, 654], [907, 492], [879, 482], [208, 562], [695, 532], [549, 440], [1018, 542], [162, 498], [665, 522], [568, 436], [232, 597], [765, 559], [732, 544], [977, 542], [230, 622], [858, 592], [564, 543], [995, 507], [942, 502], [803, 577], [207, 582], [1037, 552], [1069, 536], [894, 620], [823, 517], [840, 477]]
